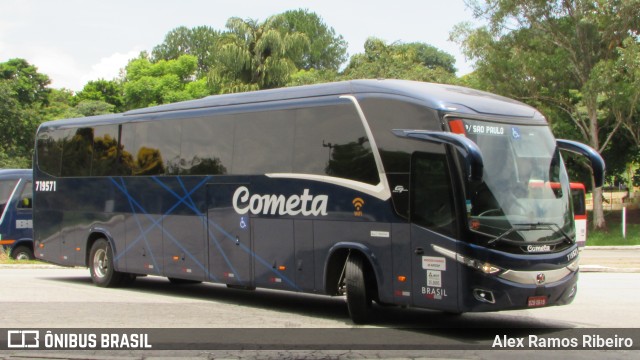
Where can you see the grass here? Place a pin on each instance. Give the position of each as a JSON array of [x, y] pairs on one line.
[[613, 235], [6, 259]]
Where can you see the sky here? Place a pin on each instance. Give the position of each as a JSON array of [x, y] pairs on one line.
[[76, 41]]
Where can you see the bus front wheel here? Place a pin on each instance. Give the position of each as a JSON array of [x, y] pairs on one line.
[[22, 253], [101, 267], [358, 297]]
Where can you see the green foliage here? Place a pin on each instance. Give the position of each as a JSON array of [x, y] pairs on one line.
[[613, 236], [110, 92], [312, 76], [147, 84], [200, 41], [23, 96], [326, 50], [30, 87], [255, 55], [413, 61]]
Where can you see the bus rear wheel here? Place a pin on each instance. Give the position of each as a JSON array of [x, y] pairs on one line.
[[358, 294], [101, 267]]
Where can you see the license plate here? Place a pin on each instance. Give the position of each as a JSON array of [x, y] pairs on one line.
[[537, 301]]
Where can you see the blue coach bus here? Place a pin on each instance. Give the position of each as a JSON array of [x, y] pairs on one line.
[[16, 233], [386, 191]]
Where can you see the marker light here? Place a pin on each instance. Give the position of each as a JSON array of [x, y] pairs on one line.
[[457, 127], [282, 268], [402, 278]]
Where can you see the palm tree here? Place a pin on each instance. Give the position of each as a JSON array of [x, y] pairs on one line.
[[255, 56]]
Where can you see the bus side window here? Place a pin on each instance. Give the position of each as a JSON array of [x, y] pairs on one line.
[[432, 200], [26, 197]]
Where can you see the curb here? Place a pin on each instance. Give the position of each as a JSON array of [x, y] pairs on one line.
[[605, 269], [620, 247], [33, 266]]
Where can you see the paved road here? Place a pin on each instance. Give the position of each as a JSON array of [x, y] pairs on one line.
[[611, 258], [53, 297], [65, 298]]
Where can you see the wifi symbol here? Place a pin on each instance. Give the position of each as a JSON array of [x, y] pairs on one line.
[[358, 203]]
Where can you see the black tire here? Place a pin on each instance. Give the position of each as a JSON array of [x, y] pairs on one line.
[[22, 253], [177, 281], [358, 294], [101, 267]]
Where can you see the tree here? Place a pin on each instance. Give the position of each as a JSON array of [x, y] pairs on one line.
[[166, 81], [30, 86], [23, 96], [414, 61], [326, 51], [255, 56], [549, 53], [110, 92], [200, 41]]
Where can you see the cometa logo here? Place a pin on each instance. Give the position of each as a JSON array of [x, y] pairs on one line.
[[358, 203], [305, 204], [538, 248]]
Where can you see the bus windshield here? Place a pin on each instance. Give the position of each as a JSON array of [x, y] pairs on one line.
[[524, 196]]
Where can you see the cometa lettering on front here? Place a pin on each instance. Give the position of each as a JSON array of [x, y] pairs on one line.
[[305, 204]]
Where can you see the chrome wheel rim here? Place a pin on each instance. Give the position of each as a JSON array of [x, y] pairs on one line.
[[100, 263]]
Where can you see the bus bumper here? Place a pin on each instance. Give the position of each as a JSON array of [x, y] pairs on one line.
[[483, 293]]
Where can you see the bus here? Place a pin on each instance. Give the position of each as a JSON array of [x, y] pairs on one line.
[[578, 195], [386, 191], [16, 223]]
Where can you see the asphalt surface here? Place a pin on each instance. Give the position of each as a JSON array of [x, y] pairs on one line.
[[610, 259], [592, 259]]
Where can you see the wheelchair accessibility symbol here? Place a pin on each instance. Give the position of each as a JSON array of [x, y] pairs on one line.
[[243, 223]]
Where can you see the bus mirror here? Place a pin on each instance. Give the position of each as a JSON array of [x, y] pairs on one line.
[[471, 153], [597, 163]]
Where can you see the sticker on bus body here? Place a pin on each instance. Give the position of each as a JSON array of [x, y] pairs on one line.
[[434, 263]]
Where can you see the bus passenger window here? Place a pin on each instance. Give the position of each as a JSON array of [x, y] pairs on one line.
[[432, 201], [26, 196]]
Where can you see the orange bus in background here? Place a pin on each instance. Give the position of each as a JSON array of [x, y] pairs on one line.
[[578, 192]]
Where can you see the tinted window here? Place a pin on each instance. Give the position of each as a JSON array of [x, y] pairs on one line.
[[49, 150], [331, 140], [77, 147], [149, 148], [26, 198], [207, 146], [579, 206], [386, 114], [6, 188], [432, 201], [157, 144], [105, 150], [263, 142]]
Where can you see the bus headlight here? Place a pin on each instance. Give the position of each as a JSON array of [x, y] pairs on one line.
[[484, 267]]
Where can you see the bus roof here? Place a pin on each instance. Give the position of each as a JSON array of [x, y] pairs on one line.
[[450, 98], [15, 173]]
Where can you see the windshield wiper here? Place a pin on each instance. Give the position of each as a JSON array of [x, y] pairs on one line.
[[530, 227]]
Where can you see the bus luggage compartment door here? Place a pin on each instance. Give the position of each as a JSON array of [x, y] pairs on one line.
[[228, 238]]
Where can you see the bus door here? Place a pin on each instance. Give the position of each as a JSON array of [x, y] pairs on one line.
[[434, 225], [24, 213], [228, 238]]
